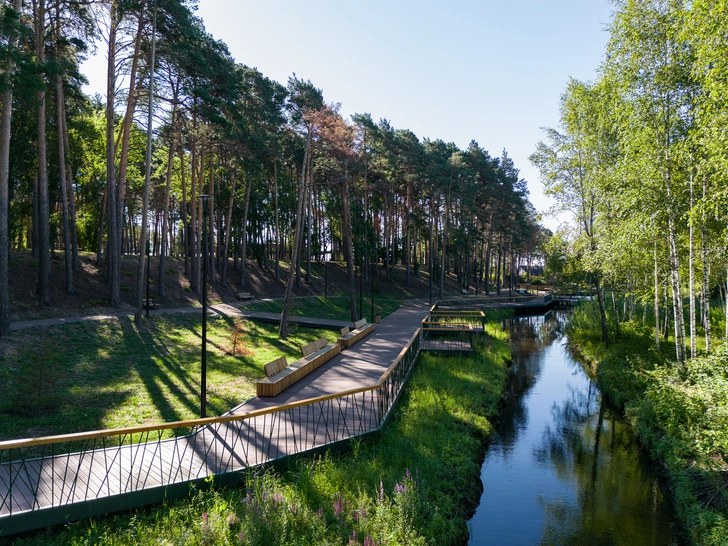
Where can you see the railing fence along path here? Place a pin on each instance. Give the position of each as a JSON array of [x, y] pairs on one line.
[[51, 480]]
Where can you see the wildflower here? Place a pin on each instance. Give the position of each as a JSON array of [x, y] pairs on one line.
[[355, 515], [277, 498], [232, 519], [381, 492], [398, 488], [320, 512], [407, 473], [368, 541], [338, 506], [205, 518], [363, 512], [352, 540]]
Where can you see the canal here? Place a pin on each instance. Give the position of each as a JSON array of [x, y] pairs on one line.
[[564, 466]]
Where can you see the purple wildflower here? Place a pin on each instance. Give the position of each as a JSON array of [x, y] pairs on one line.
[[205, 517], [398, 488], [232, 519], [338, 507], [368, 541], [355, 515], [407, 473]]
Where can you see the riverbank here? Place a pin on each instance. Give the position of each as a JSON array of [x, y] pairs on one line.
[[417, 483], [679, 413]]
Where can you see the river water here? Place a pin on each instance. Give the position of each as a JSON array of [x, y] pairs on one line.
[[564, 467]]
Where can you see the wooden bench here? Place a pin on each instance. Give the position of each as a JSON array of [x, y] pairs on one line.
[[281, 375], [245, 296], [361, 329], [152, 304]]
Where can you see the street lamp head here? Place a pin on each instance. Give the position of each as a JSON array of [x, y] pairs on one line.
[[205, 201]]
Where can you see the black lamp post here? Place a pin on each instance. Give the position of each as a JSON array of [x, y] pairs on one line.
[[361, 284], [148, 246], [429, 262], [371, 277], [203, 384]]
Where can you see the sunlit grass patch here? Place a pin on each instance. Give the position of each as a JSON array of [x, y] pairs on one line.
[[93, 375]]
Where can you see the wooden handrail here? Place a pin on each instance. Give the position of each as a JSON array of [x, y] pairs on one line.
[[105, 433]]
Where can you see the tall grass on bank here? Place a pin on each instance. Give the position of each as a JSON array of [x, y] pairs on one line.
[[680, 414], [416, 483]]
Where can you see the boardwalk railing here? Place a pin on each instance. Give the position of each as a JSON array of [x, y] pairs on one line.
[[65, 477]]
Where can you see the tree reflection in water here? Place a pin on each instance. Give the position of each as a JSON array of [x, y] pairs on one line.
[[564, 467]]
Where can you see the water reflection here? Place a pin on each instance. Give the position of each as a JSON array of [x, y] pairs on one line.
[[564, 468]]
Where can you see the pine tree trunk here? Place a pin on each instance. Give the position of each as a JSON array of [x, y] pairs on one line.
[[228, 221], [165, 223], [44, 263], [445, 226], [125, 139], [211, 232], [186, 248], [67, 249], [277, 222], [194, 257], [349, 246], [288, 300], [408, 238], [113, 249], [5, 124], [71, 192], [244, 242]]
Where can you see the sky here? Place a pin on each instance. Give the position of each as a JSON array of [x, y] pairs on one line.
[[489, 71]]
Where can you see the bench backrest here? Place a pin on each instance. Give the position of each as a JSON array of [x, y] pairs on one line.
[[314, 346], [276, 366], [359, 323], [345, 331]]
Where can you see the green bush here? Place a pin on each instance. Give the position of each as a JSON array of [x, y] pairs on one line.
[[679, 411]]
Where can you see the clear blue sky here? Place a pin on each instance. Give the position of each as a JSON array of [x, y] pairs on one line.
[[486, 70]]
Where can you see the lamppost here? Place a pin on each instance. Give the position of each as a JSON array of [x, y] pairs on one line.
[[429, 261], [361, 283], [203, 383], [148, 247], [371, 278]]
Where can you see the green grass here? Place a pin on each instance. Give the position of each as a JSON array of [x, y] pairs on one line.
[[95, 375], [333, 307], [678, 411], [417, 483]]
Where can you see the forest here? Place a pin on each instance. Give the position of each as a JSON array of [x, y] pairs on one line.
[[640, 161], [185, 128]]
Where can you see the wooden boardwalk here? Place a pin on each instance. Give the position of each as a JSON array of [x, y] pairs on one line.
[[36, 477]]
